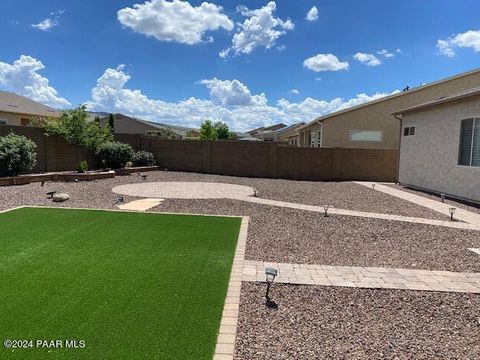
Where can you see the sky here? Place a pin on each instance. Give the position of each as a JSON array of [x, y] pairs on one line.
[[247, 63]]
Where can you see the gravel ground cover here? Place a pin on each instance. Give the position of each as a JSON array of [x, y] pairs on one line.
[[288, 235], [314, 322], [296, 236], [344, 195], [460, 205]]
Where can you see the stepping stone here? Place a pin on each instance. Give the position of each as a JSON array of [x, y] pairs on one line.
[[141, 205], [61, 197]]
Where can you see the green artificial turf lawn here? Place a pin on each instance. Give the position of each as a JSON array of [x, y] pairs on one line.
[[131, 285]]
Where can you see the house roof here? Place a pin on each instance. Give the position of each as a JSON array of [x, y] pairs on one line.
[[17, 104], [177, 129], [385, 98], [264, 129], [287, 128], [442, 100]]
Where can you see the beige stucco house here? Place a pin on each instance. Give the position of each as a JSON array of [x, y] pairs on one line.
[[440, 145], [371, 125], [20, 111]]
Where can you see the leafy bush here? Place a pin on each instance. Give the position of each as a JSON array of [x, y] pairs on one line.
[[17, 154], [114, 154], [82, 167], [143, 158]]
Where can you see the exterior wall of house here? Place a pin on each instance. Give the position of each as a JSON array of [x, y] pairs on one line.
[[429, 159], [16, 119], [377, 116]]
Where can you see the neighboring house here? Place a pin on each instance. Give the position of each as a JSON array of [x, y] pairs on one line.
[[246, 137], [264, 133], [284, 134], [371, 125], [123, 124], [293, 139], [18, 110], [440, 145]]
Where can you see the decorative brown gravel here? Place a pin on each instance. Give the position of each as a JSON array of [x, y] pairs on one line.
[[296, 236], [344, 195], [314, 322]]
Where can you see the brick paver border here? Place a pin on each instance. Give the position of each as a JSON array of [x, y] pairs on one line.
[[225, 348], [365, 277]]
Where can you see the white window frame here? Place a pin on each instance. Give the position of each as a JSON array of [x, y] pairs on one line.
[[320, 135], [350, 136]]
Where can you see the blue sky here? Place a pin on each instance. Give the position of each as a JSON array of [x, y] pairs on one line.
[[161, 60]]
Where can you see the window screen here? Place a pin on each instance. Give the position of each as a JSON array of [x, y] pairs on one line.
[[469, 152]]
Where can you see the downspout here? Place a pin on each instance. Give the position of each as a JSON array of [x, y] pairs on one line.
[[399, 145]]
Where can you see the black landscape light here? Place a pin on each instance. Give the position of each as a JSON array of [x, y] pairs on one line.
[[255, 192], [452, 211], [325, 210], [119, 200], [270, 274], [442, 195], [42, 183], [373, 186]]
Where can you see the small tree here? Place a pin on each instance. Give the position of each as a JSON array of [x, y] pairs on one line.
[[111, 123], [223, 132], [74, 128], [17, 154], [208, 131]]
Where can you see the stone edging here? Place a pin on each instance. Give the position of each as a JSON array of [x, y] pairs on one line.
[[225, 348]]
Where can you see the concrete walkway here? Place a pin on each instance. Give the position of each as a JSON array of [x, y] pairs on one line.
[[364, 277], [451, 224], [460, 214]]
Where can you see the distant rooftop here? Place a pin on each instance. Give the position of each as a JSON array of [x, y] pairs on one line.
[[17, 104]]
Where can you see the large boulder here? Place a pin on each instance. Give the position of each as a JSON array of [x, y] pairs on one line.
[[60, 197]]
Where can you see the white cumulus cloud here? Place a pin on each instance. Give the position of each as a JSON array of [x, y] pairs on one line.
[[367, 59], [468, 39], [294, 91], [312, 14], [232, 93], [22, 77], [175, 20], [260, 29], [325, 62], [230, 101]]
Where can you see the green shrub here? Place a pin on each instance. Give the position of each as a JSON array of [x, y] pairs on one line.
[[143, 158], [82, 166], [114, 154], [17, 154]]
